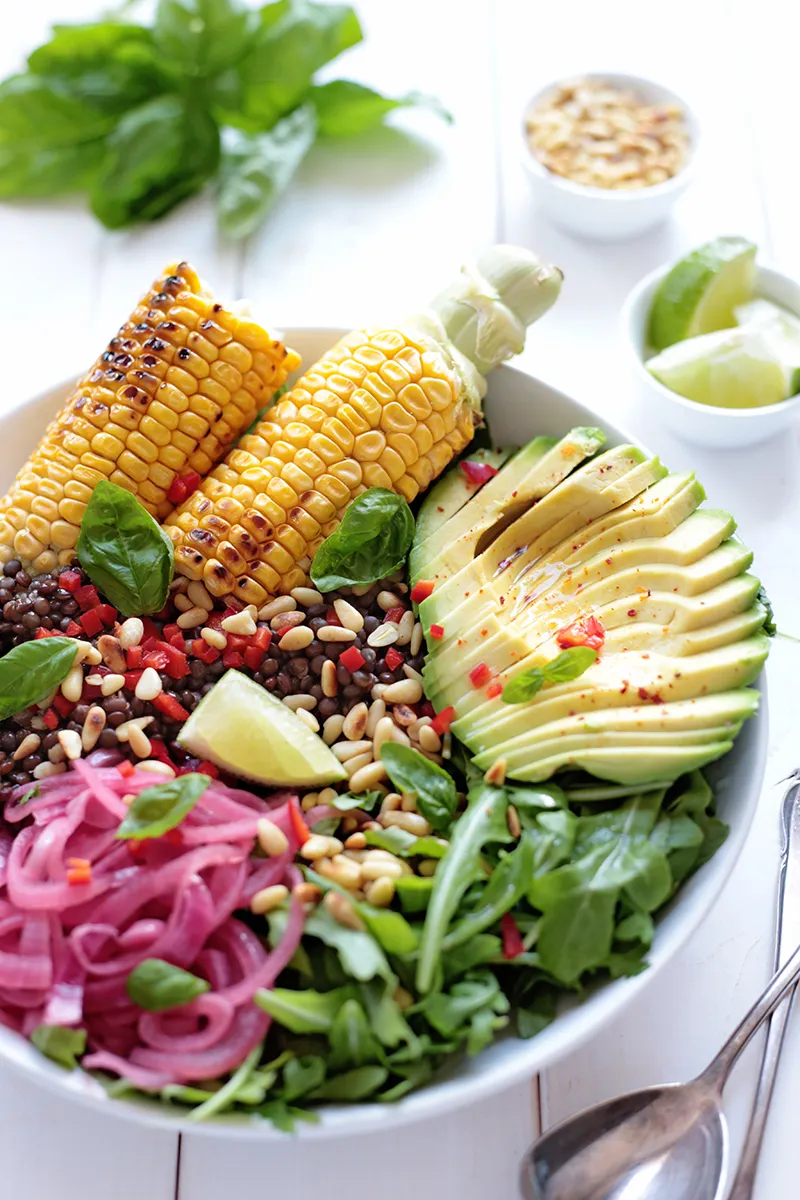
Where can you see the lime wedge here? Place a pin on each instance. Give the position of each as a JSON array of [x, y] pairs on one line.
[[733, 368], [779, 327], [701, 291], [243, 729]]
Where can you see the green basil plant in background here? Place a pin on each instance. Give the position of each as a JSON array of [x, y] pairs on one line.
[[142, 117]]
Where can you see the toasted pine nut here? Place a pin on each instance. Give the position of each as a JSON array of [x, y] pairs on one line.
[[296, 638], [182, 603], [309, 801], [384, 635], [87, 653], [427, 867], [307, 893], [356, 841], [131, 632], [387, 600], [376, 710], [70, 743], [123, 731], [72, 686], [415, 645], [194, 617], [308, 719], [403, 715], [46, 769], [342, 910], [361, 589], [272, 840], [407, 691], [365, 778], [269, 898], [240, 623], [346, 750], [332, 728], [411, 822], [285, 621], [380, 892], [384, 732], [319, 846], [139, 742], [110, 684], [149, 685], [111, 650], [27, 746], [497, 773], [328, 681], [306, 596], [93, 726], [281, 604], [378, 870], [392, 802], [429, 739], [405, 628], [301, 700], [513, 822], [335, 633], [409, 803], [326, 796], [156, 767], [214, 637], [357, 762], [199, 596], [56, 754], [355, 723], [340, 869], [350, 617], [410, 673]]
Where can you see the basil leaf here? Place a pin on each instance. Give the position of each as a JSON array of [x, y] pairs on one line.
[[30, 170], [371, 542], [32, 670], [125, 552], [157, 985], [158, 154], [45, 112], [203, 37], [158, 809], [111, 65], [256, 167], [434, 788], [568, 665], [345, 108], [64, 1046]]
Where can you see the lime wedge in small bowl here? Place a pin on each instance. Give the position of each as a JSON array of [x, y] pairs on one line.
[[243, 729], [732, 368], [701, 291]]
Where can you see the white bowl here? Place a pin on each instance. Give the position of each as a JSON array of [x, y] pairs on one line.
[[705, 424], [519, 407], [605, 214]]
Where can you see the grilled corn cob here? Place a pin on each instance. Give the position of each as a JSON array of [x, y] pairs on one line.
[[388, 408], [168, 397]]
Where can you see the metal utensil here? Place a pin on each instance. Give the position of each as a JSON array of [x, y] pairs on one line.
[[669, 1142], [787, 935]]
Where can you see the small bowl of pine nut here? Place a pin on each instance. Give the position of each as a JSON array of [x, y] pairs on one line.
[[608, 155]]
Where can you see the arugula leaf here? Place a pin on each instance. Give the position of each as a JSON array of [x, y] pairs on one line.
[[483, 948], [637, 927], [371, 542], [64, 1046], [283, 1116], [406, 845], [414, 1076], [435, 789], [509, 881], [413, 892], [576, 933], [31, 671], [302, 1075], [483, 822], [125, 552], [204, 37], [360, 954], [229, 1093], [304, 1011], [158, 809], [570, 664], [449, 1011], [256, 168], [345, 108], [769, 627], [352, 1043], [156, 985], [358, 1084]]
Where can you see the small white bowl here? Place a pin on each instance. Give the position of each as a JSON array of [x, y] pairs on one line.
[[705, 424], [610, 214]]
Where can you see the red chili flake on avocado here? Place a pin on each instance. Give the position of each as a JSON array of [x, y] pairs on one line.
[[477, 473], [480, 675], [631, 612], [436, 632], [493, 690], [587, 631], [421, 590]]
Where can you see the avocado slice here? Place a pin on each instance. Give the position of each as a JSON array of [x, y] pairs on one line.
[[640, 765]]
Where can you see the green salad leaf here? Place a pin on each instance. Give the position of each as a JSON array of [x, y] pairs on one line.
[[31, 671], [435, 789], [64, 1046], [570, 664], [125, 552], [371, 542], [158, 809], [256, 168], [345, 108], [156, 985]]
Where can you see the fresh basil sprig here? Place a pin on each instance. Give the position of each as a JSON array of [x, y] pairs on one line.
[[125, 552], [32, 670], [371, 542], [158, 809], [434, 788], [157, 985], [64, 1046], [566, 666]]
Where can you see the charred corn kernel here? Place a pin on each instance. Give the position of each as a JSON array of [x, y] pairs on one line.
[[384, 408], [144, 414]]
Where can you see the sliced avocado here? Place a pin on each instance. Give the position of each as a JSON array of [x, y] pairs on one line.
[[640, 635], [449, 495], [640, 765], [530, 474]]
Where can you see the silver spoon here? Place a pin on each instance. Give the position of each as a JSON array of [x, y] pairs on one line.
[[661, 1143]]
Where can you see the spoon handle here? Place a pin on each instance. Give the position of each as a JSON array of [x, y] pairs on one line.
[[718, 1071]]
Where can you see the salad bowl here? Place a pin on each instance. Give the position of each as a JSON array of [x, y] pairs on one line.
[[518, 407]]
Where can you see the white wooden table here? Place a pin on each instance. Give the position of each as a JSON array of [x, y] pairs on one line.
[[375, 227]]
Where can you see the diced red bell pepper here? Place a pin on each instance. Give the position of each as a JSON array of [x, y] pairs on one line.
[[171, 630], [91, 691], [108, 614], [513, 944], [133, 658], [174, 837], [421, 590], [151, 630], [157, 659], [442, 721], [253, 657], [80, 872], [149, 643], [480, 675], [178, 642], [331, 618], [91, 623], [352, 659], [50, 718], [131, 679], [43, 633], [587, 631], [436, 632], [299, 827], [232, 658], [182, 487], [262, 638], [125, 769], [394, 659], [494, 690], [73, 630], [170, 707], [214, 619], [394, 615], [87, 596], [177, 663], [477, 473], [208, 768], [237, 642], [202, 650], [62, 705], [70, 581]]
